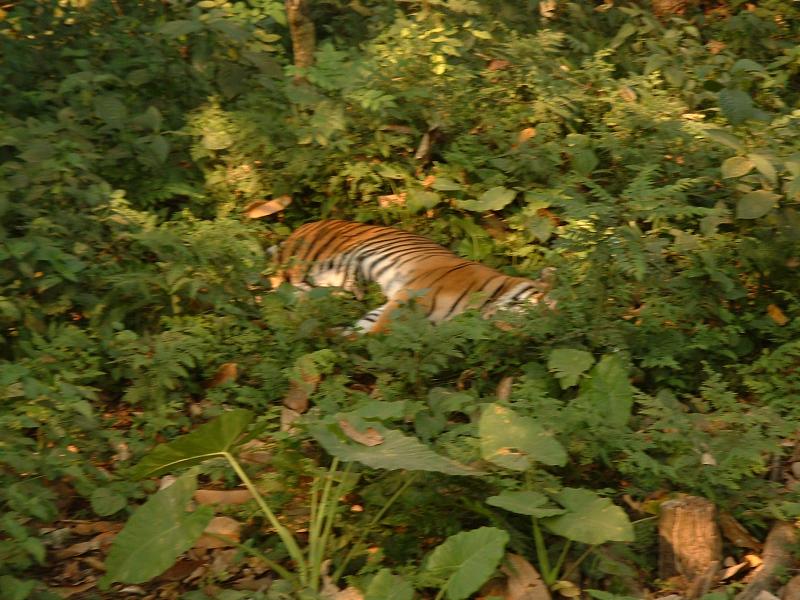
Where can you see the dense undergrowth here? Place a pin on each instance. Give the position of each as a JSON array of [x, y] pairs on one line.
[[654, 162]]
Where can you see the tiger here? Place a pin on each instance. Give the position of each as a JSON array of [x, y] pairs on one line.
[[345, 254]]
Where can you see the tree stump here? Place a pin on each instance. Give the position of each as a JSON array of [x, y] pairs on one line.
[[690, 544]]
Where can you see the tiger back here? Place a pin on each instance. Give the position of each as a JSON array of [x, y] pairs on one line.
[[405, 265]]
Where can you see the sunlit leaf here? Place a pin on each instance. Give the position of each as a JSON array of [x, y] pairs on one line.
[[516, 442], [418, 199], [736, 166], [203, 443], [387, 586], [568, 365], [525, 503], [156, 535], [492, 199], [397, 451], [608, 390], [589, 518], [464, 561]]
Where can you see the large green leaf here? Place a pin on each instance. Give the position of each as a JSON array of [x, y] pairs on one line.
[[755, 204], [387, 586], [396, 451], [492, 199], [736, 105], [608, 390], [568, 365], [736, 166], [589, 519], [157, 534], [203, 443], [418, 199], [516, 442], [464, 561], [525, 503]]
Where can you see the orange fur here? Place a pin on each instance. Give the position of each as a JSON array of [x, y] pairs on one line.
[[405, 265]]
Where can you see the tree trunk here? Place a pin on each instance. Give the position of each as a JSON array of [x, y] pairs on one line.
[[301, 28]]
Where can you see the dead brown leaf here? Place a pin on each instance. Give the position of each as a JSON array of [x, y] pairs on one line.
[[300, 390], [255, 452], [526, 134], [263, 208], [627, 94], [77, 549], [223, 497], [226, 373], [392, 200], [429, 181], [776, 314], [498, 64], [736, 534], [369, 437], [93, 527], [524, 581], [220, 527], [72, 590]]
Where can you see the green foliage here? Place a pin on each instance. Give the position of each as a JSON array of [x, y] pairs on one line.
[[654, 162]]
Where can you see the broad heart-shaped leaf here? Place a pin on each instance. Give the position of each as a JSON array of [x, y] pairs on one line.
[[203, 443], [608, 391], [492, 199], [443, 184], [569, 364], [736, 166], [765, 167], [156, 535], [397, 451], [464, 561], [387, 586], [515, 442], [589, 519], [525, 503], [417, 199], [755, 204]]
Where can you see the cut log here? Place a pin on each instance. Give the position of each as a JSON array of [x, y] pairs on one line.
[[690, 544]]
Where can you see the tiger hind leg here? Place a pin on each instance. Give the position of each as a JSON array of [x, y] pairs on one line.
[[366, 324]]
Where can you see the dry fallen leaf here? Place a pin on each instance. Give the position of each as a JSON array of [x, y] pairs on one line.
[[526, 134], [224, 527], [776, 314], [567, 589], [627, 94], [226, 373], [263, 208], [392, 200], [369, 437], [498, 64], [300, 390], [225, 497], [524, 581], [736, 534]]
